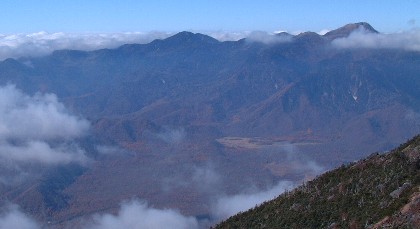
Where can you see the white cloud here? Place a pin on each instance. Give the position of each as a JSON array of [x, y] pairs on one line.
[[407, 40], [323, 32], [203, 179], [206, 179], [38, 117], [38, 129], [229, 36], [268, 38], [227, 206], [299, 162], [42, 152], [43, 43], [13, 218], [135, 215], [132, 215]]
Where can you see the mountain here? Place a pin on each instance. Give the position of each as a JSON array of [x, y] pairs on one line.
[[346, 30], [381, 191], [181, 110]]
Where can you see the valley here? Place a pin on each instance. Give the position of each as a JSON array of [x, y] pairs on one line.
[[182, 122]]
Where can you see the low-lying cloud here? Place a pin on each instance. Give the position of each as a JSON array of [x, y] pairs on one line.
[[206, 178], [268, 38], [29, 123], [300, 163], [136, 214], [12, 217], [227, 206], [229, 36], [407, 40], [38, 117], [172, 135], [43, 43], [42, 152], [132, 215]]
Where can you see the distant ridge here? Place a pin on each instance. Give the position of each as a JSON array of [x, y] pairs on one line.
[[310, 36], [348, 29]]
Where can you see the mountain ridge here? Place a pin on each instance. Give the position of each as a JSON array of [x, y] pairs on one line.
[[186, 36]]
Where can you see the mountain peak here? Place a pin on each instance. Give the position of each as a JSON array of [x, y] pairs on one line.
[[186, 36], [346, 30], [309, 37]]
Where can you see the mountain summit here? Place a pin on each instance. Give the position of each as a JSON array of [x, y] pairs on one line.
[[189, 37], [348, 29]]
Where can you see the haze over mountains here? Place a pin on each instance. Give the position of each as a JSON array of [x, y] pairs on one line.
[[191, 123]]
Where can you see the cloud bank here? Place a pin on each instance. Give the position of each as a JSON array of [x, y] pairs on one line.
[[407, 40], [14, 218], [135, 214], [43, 43], [38, 129], [227, 206], [229, 36], [268, 38], [132, 215]]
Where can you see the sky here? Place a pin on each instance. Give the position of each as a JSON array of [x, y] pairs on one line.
[[110, 16]]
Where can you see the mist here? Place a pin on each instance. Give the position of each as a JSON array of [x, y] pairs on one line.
[[137, 214], [406, 40], [172, 135], [299, 161], [12, 217], [43, 43], [37, 117], [268, 38], [131, 215], [227, 206]]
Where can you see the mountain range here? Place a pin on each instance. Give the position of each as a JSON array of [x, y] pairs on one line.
[[190, 118]]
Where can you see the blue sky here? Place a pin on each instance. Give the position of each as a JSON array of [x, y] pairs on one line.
[[26, 16]]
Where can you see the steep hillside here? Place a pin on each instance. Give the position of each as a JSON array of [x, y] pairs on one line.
[[381, 191]]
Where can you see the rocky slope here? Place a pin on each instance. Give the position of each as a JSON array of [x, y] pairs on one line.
[[381, 191]]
